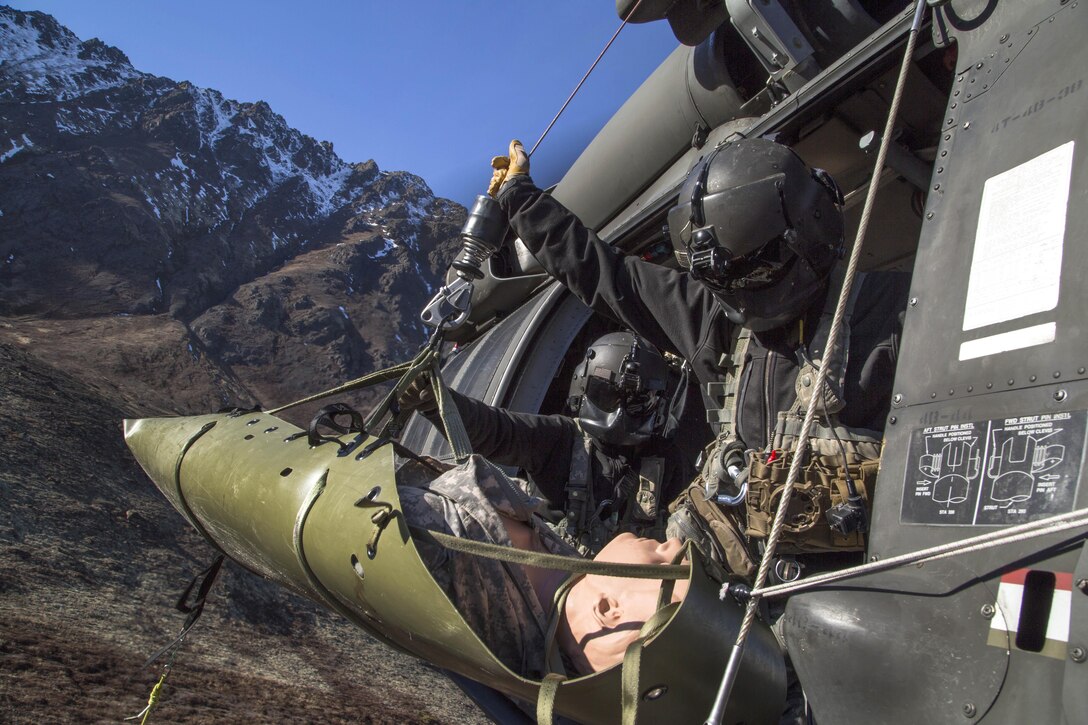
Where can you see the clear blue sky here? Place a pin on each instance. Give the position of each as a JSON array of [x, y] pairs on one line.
[[435, 87]]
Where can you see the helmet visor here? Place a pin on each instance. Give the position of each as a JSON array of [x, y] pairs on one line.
[[761, 269], [607, 397]]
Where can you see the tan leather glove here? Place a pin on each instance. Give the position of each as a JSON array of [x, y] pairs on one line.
[[419, 395], [507, 167]]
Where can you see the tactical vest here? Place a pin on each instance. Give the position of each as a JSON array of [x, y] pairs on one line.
[[582, 525], [836, 454]]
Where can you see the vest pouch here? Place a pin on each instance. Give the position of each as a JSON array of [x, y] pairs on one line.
[[716, 531], [833, 454]]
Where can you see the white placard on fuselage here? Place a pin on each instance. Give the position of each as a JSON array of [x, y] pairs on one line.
[[1017, 262]]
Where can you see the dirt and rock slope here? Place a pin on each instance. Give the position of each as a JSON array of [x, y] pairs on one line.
[[165, 250], [93, 560]]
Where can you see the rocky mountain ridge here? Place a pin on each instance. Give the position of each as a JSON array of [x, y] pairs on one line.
[[166, 250], [127, 195]]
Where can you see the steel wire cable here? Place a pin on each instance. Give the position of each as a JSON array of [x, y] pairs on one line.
[[579, 86], [1011, 535]]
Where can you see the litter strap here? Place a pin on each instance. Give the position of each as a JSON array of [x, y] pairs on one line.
[[374, 378], [451, 417], [631, 677], [386, 420], [427, 360], [569, 564], [545, 701], [194, 610]]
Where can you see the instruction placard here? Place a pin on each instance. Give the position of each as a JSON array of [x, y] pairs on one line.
[[995, 472]]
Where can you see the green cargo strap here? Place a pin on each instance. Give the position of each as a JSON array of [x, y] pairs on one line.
[[374, 378], [724, 393], [545, 701], [427, 360], [451, 417], [569, 564], [552, 659], [631, 686]]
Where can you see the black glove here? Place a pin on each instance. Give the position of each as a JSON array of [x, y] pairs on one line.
[[419, 396]]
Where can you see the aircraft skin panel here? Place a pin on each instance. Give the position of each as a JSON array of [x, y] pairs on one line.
[[1074, 693], [996, 280], [988, 424]]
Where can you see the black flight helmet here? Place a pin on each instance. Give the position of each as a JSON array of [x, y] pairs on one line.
[[617, 391], [760, 229]]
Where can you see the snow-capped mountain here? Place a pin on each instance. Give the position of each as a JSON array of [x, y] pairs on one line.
[[190, 249], [162, 249]]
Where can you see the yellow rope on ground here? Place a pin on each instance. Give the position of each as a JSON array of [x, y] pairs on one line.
[[152, 699]]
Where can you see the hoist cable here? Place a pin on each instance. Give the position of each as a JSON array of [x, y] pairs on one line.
[[1012, 535], [579, 86]]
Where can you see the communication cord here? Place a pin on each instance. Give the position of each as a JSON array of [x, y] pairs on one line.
[[730, 675]]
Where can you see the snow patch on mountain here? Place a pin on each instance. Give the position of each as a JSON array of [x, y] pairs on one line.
[[214, 114], [16, 147], [194, 194], [48, 60]]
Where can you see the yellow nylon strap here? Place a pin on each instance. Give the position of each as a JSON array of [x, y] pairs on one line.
[[152, 699], [545, 701], [631, 686], [570, 564]]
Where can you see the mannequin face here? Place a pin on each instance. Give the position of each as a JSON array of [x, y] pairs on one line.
[[603, 615]]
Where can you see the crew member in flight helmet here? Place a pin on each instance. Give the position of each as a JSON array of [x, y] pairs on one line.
[[760, 230], [618, 391], [611, 468], [758, 233]]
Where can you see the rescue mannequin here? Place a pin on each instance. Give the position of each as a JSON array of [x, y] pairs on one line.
[[508, 605]]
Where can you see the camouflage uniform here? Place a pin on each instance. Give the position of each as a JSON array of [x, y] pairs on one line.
[[495, 598]]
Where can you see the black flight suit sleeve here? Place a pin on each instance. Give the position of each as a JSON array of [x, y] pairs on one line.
[[539, 444], [664, 305]]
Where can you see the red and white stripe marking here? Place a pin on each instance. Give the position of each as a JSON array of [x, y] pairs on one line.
[[1010, 596]]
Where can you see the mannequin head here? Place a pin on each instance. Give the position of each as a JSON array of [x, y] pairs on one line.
[[603, 614]]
